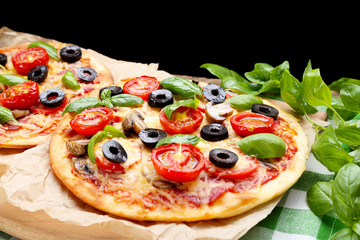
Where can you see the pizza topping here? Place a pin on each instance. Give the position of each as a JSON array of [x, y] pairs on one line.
[[86, 74], [160, 98], [214, 132], [246, 123], [133, 123], [115, 90], [179, 138], [217, 113], [214, 93], [29, 58], [49, 49], [77, 147], [151, 136], [20, 96], [53, 97], [184, 120], [92, 120], [265, 110], [20, 113], [3, 59], [38, 74], [263, 145], [223, 158], [70, 81], [70, 53], [114, 152], [178, 162], [11, 80], [82, 166], [6, 115], [141, 86]]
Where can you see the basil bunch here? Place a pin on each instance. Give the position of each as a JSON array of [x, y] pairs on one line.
[[121, 100]]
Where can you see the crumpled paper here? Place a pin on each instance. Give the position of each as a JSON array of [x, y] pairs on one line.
[[30, 190]]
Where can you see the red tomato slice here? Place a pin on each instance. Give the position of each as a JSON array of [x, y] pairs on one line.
[[91, 120], [247, 123], [236, 172], [20, 96], [25, 60], [108, 166], [141, 86], [41, 109], [178, 162], [184, 120]]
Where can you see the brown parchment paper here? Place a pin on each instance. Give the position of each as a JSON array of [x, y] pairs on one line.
[[35, 205]]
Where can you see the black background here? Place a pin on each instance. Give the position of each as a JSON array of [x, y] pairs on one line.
[[181, 37]]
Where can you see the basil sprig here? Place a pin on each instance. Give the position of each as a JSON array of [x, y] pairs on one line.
[[182, 87], [108, 132], [179, 138], [169, 109], [49, 49], [243, 101], [121, 100], [6, 115]]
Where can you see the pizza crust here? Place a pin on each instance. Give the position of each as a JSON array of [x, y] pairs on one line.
[[106, 77], [230, 204]]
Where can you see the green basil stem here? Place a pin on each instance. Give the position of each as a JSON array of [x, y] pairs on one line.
[[337, 114], [314, 124], [3, 68]]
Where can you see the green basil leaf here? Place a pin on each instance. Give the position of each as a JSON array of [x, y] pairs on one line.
[[345, 234], [11, 80], [350, 96], [113, 132], [243, 101], [179, 138], [126, 100], [317, 93], [258, 76], [222, 72], [337, 85], [182, 87], [6, 115], [49, 49], [319, 198], [263, 145], [70, 81], [100, 135], [278, 71], [328, 151], [82, 104], [348, 134], [240, 87], [356, 228], [169, 109], [339, 107], [346, 194], [105, 94]]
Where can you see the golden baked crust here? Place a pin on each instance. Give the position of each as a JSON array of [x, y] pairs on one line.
[[37, 133], [128, 198]]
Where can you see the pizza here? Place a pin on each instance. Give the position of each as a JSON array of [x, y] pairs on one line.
[[183, 151], [37, 81]]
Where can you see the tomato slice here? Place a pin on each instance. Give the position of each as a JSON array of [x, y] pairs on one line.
[[141, 86], [25, 60], [108, 166], [184, 120], [247, 123], [178, 162], [41, 109], [20, 96], [240, 170], [91, 120]]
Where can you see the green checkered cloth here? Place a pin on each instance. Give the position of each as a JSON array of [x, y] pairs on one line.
[[291, 218]]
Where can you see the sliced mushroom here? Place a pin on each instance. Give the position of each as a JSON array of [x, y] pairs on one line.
[[217, 113], [20, 113], [133, 123], [156, 180], [82, 166], [78, 147]]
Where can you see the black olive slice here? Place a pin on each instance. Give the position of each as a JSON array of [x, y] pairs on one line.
[[114, 152], [115, 90], [223, 158], [151, 136], [86, 74], [70, 53], [265, 110], [38, 74], [160, 98], [3, 59], [52, 97], [214, 132], [214, 93]]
